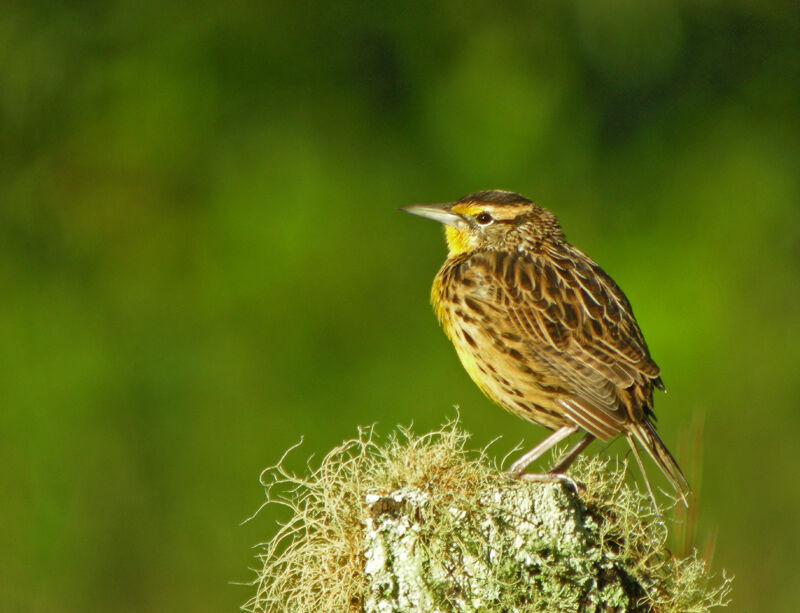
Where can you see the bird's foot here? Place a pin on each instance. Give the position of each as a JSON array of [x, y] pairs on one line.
[[551, 477]]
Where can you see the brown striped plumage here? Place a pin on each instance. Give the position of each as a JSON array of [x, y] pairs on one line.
[[542, 330]]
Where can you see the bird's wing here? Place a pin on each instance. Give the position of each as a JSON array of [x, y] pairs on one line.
[[577, 327]]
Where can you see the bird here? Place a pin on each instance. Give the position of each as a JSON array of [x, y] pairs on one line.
[[544, 332]]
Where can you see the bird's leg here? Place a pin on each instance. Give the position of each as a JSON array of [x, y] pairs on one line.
[[573, 453], [526, 459], [557, 472]]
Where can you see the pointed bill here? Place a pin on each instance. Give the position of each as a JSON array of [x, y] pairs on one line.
[[436, 212]]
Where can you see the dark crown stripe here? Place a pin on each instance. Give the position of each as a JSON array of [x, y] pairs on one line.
[[496, 196]]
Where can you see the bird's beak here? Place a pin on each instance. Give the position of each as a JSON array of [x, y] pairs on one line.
[[436, 212]]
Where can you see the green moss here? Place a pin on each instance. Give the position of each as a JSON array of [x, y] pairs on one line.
[[419, 523]]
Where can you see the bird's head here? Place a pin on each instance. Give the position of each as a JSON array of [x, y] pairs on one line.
[[491, 220]]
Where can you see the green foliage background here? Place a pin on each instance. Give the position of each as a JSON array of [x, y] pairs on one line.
[[201, 260]]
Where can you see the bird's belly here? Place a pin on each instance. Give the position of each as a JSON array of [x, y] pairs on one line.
[[513, 386]]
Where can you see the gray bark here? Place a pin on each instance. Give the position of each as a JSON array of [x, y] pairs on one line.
[[526, 549]]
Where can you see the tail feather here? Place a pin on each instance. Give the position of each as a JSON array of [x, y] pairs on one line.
[[645, 434]]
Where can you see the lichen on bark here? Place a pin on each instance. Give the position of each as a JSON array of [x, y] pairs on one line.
[[519, 549]]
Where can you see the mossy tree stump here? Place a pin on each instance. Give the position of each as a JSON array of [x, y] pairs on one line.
[[418, 523]]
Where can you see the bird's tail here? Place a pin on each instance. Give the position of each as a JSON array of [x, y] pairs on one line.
[[645, 434]]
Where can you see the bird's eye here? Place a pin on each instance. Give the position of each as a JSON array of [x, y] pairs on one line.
[[484, 218]]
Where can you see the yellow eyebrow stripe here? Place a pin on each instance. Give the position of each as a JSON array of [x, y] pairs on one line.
[[467, 209]]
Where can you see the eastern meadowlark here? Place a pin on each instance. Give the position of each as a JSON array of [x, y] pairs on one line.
[[543, 331]]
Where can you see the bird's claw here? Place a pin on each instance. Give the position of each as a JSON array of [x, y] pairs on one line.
[[552, 477]]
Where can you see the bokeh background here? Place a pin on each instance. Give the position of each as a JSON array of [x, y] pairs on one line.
[[201, 258]]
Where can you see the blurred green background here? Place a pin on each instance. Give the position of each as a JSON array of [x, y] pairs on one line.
[[201, 258]]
